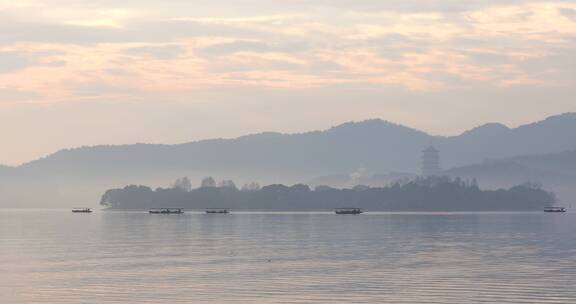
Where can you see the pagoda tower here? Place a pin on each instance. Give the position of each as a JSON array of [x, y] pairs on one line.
[[431, 162]]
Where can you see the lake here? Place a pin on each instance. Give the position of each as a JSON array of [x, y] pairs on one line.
[[55, 256]]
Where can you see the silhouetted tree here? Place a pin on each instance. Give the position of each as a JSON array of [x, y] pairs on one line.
[[228, 185], [208, 182], [183, 184]]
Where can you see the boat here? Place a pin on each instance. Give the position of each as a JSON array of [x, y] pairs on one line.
[[166, 211], [82, 210], [555, 209], [348, 211], [217, 211]]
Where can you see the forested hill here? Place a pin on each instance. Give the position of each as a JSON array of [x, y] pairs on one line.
[[421, 194], [376, 144]]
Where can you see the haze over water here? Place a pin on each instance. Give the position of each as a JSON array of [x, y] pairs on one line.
[[133, 257]]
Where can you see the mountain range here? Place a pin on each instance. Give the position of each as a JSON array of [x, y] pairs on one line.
[[373, 146]]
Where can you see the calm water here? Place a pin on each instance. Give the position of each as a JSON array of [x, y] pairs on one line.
[[132, 257]]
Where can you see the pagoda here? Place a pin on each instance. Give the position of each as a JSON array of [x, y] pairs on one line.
[[431, 162]]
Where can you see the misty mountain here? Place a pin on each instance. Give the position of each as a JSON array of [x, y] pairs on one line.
[[372, 146], [377, 145], [529, 167], [556, 172], [495, 141]]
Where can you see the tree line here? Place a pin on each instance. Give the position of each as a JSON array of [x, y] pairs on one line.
[[419, 194]]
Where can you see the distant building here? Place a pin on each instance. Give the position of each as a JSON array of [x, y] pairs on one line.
[[431, 162]]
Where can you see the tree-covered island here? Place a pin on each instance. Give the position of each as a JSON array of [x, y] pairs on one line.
[[420, 194]]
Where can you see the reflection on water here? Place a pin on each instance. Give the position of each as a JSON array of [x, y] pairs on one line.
[[134, 257]]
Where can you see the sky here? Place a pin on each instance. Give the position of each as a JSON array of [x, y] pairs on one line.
[[75, 73]]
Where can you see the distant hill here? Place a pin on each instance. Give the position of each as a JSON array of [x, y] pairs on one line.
[[376, 145], [556, 171], [495, 141], [532, 167]]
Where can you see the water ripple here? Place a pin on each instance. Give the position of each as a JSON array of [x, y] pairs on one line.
[[58, 257]]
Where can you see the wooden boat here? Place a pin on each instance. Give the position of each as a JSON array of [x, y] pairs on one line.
[[555, 209], [348, 211], [217, 211], [82, 210], [166, 211]]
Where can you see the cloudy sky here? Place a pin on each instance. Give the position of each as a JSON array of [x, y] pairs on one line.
[[85, 72]]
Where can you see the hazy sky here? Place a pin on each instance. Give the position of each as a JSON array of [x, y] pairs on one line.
[[93, 72]]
